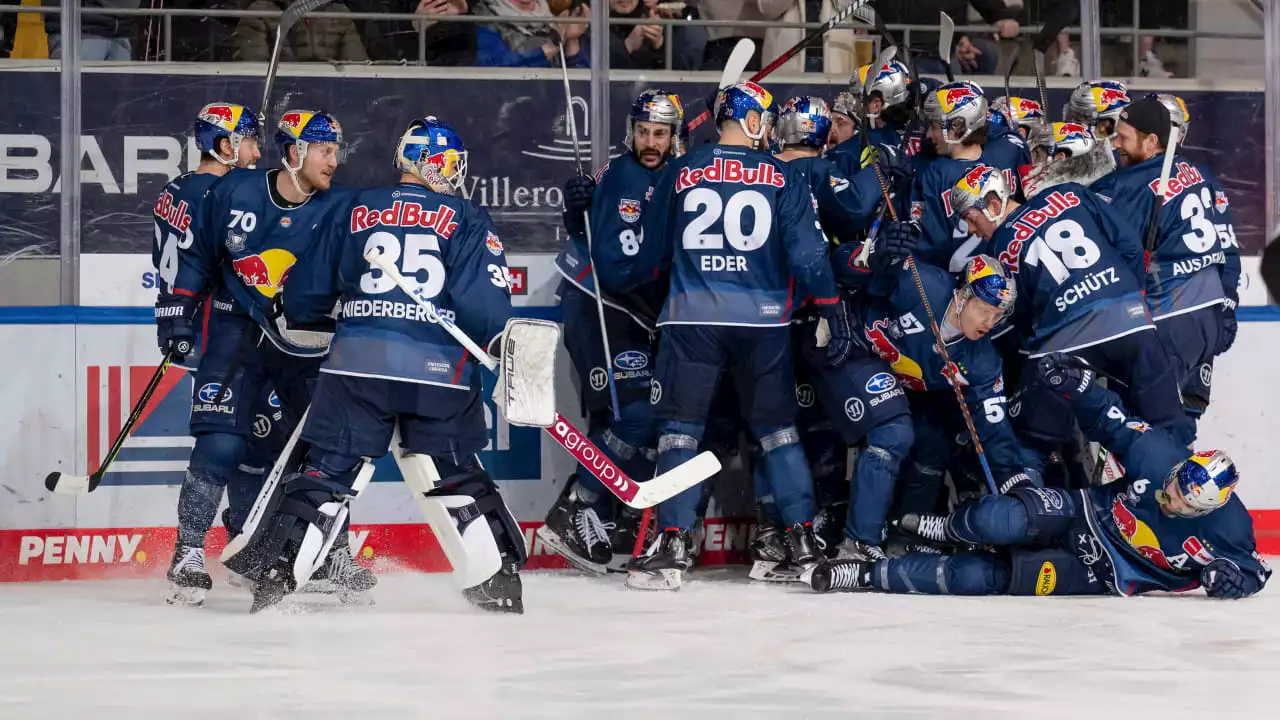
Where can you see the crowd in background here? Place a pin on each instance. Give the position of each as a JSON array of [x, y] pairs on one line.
[[512, 41]]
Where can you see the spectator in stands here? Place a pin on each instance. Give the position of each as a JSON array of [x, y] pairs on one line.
[[635, 47], [102, 37], [530, 44], [770, 42], [447, 43], [311, 40], [925, 12]]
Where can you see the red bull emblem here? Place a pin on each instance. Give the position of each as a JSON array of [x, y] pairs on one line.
[[954, 96], [1137, 534], [760, 95], [629, 210], [221, 115], [1025, 108], [292, 122], [265, 272], [493, 244], [1220, 201], [1108, 97], [976, 267], [972, 180], [906, 369], [1070, 131]]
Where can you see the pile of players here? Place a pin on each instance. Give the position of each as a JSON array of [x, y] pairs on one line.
[[962, 363]]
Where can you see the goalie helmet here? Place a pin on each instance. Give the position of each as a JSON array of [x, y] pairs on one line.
[[224, 120], [1091, 102], [986, 278], [959, 107], [804, 120], [737, 102], [1178, 113], [431, 151], [1200, 484], [972, 190], [658, 106], [1073, 139]]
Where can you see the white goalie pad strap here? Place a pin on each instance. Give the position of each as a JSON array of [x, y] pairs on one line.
[[317, 541], [465, 536], [526, 389]]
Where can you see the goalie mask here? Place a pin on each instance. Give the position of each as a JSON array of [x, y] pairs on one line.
[[658, 106], [302, 128], [431, 151], [959, 108], [972, 191], [737, 102], [803, 121], [1199, 485], [224, 120]]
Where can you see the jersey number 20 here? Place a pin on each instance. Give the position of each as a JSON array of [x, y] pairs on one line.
[[712, 208]]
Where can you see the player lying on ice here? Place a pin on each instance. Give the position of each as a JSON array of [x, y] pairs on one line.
[[1172, 523]]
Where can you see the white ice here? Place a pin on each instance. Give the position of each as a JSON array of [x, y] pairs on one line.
[[588, 647]]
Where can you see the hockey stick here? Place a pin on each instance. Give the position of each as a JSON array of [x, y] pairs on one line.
[[946, 36], [63, 484], [256, 513], [855, 9], [591, 261], [737, 64], [635, 494], [288, 19]]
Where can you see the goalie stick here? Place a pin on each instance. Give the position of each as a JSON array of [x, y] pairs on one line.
[[288, 19], [857, 8], [64, 484], [635, 494]]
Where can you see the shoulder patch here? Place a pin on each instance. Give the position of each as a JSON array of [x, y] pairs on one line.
[[629, 210], [493, 244]]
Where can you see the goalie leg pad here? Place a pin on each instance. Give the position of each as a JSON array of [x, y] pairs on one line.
[[526, 389], [477, 530]]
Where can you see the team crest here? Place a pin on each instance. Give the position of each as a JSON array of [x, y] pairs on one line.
[[235, 242], [493, 244], [285, 221], [1220, 201], [629, 210]]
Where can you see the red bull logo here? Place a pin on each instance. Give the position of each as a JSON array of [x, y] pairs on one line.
[[978, 268], [975, 179], [224, 116], [759, 94], [265, 272], [294, 121], [1109, 97], [1138, 534], [174, 214], [953, 97], [629, 210], [1062, 132], [493, 244], [1025, 109], [907, 370]]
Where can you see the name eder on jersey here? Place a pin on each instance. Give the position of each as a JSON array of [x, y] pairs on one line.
[[726, 170]]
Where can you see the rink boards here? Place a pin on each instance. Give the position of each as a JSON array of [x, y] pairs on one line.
[[72, 375]]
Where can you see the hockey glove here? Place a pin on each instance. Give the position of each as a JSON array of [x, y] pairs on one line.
[[840, 324], [1064, 375], [1225, 580], [895, 165], [1229, 326], [174, 332], [578, 191], [897, 240]]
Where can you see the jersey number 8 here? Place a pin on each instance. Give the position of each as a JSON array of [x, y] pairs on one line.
[[416, 259], [713, 208]]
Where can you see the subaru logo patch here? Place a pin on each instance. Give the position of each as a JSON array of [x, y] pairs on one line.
[[209, 392], [881, 383], [631, 360]]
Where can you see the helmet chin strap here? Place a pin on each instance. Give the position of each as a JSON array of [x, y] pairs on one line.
[[293, 171]]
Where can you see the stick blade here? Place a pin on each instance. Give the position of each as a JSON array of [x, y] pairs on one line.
[[737, 64], [676, 480], [62, 484]]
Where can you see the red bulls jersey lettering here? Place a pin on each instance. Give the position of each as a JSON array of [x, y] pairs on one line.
[[1187, 176], [730, 170], [175, 215], [405, 214]]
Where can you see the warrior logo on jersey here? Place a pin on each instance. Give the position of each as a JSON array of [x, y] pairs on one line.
[[629, 210], [1137, 534], [265, 271], [804, 395], [907, 370], [853, 409]]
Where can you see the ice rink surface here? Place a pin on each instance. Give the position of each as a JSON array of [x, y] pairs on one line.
[[588, 647]]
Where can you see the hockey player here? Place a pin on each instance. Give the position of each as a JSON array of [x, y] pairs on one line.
[[227, 137], [846, 113], [578, 525], [886, 94], [897, 328], [864, 380], [395, 372], [737, 230], [958, 129], [1097, 106], [1194, 266], [253, 226], [1173, 524], [1077, 267], [1022, 113]]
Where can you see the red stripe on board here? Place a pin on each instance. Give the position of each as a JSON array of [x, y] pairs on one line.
[[139, 376], [1266, 530], [114, 389], [93, 392]]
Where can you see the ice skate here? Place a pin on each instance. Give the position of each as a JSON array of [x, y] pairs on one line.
[[839, 575], [623, 538], [189, 582], [501, 593], [852, 549], [828, 526], [769, 555], [803, 548], [276, 583], [662, 566], [341, 576], [574, 530], [932, 528]]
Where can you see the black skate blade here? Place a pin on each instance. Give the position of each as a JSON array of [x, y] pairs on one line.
[[775, 573], [668, 579], [269, 593]]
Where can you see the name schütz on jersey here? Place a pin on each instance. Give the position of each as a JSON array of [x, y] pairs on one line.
[[1027, 225], [1090, 284], [404, 213], [175, 215], [730, 170], [1187, 176]]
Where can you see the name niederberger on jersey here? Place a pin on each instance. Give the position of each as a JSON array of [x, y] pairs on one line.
[[393, 310], [405, 214]]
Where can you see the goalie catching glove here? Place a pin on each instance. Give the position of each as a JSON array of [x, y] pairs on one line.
[[526, 354]]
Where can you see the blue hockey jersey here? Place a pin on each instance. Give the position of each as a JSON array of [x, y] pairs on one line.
[[1006, 149], [897, 328], [1148, 549], [444, 244], [1196, 262], [1076, 268], [846, 206], [739, 231], [247, 242], [946, 241]]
